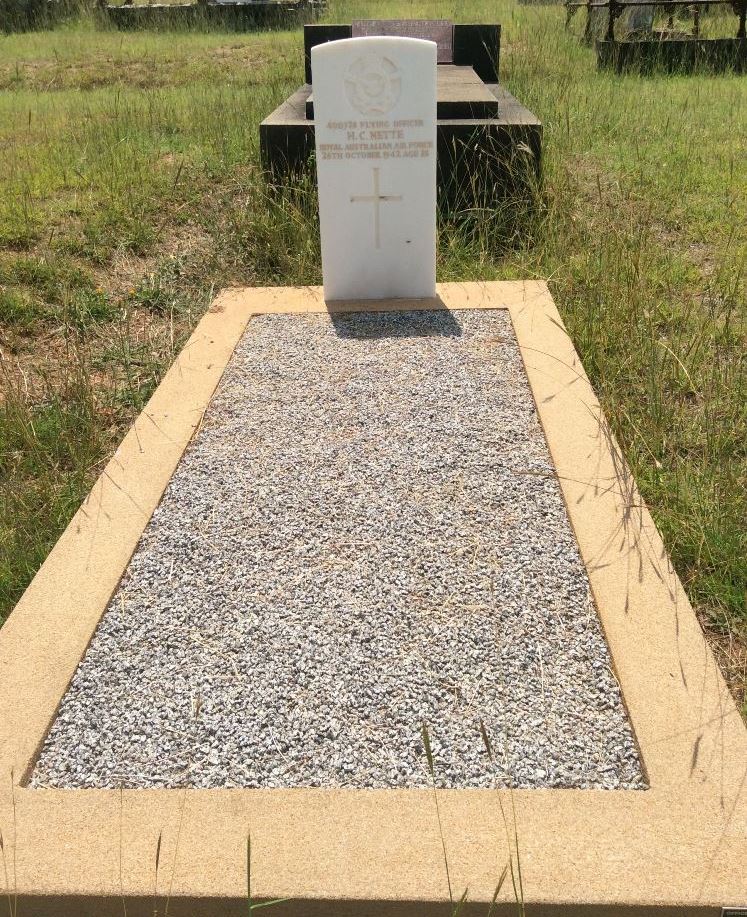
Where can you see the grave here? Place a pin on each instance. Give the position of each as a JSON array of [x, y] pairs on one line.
[[233, 14], [488, 144], [673, 55], [337, 520], [625, 38]]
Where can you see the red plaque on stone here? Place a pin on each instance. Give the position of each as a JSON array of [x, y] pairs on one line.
[[439, 30]]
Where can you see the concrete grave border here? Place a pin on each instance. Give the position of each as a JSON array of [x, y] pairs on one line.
[[679, 847]]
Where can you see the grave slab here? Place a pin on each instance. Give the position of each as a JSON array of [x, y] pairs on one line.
[[677, 847], [714, 55], [239, 15]]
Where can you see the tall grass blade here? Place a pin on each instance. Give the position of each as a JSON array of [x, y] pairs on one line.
[[5, 871], [497, 891], [249, 871], [432, 770], [15, 840], [249, 904], [518, 856], [428, 750], [486, 741], [121, 831], [176, 853], [460, 904], [155, 875]]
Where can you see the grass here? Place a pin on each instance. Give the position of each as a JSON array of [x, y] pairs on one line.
[[512, 865], [132, 188]]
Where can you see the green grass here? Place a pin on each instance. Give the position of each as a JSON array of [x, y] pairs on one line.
[[133, 192]]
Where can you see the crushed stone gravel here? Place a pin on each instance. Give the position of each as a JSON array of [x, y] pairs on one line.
[[365, 535]]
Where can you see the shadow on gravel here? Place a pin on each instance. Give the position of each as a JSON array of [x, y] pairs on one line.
[[434, 322]]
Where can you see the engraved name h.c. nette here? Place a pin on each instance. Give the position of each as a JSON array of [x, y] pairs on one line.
[[373, 84]]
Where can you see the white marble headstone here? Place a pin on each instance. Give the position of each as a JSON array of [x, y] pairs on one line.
[[375, 124]]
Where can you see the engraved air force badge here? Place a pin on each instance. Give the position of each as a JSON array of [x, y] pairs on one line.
[[373, 84]]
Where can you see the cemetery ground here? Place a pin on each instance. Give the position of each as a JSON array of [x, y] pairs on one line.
[[132, 192]]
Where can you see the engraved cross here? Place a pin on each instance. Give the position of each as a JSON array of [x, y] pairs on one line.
[[376, 199]]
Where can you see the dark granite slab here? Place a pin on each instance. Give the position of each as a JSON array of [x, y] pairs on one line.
[[477, 46]]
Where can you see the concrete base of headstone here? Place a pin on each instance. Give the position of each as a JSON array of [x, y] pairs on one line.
[[677, 848]]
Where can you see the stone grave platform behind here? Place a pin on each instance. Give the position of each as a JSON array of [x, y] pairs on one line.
[[461, 94], [489, 144]]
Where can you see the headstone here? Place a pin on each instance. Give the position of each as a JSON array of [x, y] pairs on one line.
[[477, 45], [439, 30], [635, 20], [596, 27], [638, 20], [375, 112]]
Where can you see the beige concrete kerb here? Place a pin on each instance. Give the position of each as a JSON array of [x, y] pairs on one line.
[[679, 847]]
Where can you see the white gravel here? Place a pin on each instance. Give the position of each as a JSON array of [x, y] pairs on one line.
[[366, 534]]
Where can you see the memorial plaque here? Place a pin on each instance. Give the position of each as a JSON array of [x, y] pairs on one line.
[[439, 30], [375, 110]]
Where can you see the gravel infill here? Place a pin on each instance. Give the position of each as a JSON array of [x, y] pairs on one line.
[[365, 535]]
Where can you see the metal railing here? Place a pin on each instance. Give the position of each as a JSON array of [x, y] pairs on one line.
[[617, 7]]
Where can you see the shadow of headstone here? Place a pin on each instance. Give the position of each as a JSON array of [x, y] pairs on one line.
[[363, 326]]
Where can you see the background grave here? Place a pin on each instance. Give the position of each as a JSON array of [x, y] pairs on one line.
[[625, 38], [482, 156], [238, 15]]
